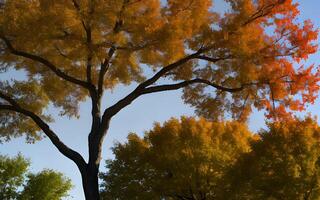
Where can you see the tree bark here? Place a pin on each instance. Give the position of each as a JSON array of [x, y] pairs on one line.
[[90, 183], [90, 175]]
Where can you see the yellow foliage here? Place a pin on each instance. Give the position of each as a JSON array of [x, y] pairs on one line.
[[178, 157]]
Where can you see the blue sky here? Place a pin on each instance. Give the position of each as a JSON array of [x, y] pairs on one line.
[[138, 117]]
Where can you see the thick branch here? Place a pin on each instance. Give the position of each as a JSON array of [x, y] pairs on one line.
[[90, 53], [93, 140], [9, 99], [144, 88], [78, 9], [45, 62], [103, 70], [64, 149], [95, 97], [105, 65], [111, 111], [88, 32], [183, 84], [168, 68], [210, 59]]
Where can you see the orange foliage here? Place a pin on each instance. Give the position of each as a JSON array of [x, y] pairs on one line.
[[255, 46]]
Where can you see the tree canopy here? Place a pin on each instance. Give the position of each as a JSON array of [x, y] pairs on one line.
[[283, 164], [182, 159], [17, 183], [12, 175], [78, 44], [46, 185], [70, 51], [197, 159]]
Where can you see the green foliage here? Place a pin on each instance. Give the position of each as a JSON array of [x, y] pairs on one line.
[[12, 175], [46, 185], [17, 183], [185, 158]]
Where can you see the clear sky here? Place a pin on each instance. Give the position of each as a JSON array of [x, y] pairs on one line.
[[138, 117]]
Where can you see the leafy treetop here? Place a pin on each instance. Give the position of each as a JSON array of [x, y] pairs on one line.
[[75, 48], [12, 171], [283, 164], [196, 159], [46, 185], [17, 183], [181, 159]]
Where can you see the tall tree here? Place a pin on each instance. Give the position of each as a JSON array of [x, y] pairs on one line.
[[180, 160], [283, 164], [17, 183], [76, 49]]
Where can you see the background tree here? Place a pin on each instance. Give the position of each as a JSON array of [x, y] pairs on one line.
[[204, 160], [17, 183], [179, 160], [46, 185], [12, 175], [76, 49], [283, 164]]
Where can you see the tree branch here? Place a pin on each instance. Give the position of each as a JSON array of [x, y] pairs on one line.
[[168, 68], [142, 88], [105, 65], [88, 32], [9, 99], [90, 53], [210, 59], [103, 70], [183, 84], [262, 12], [111, 111], [243, 106], [64, 149], [45, 62]]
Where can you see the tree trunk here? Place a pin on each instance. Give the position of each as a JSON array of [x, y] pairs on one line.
[[90, 183], [90, 173]]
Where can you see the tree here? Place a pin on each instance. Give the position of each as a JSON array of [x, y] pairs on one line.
[[12, 175], [183, 159], [17, 183], [191, 159], [283, 164], [46, 185], [76, 49]]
